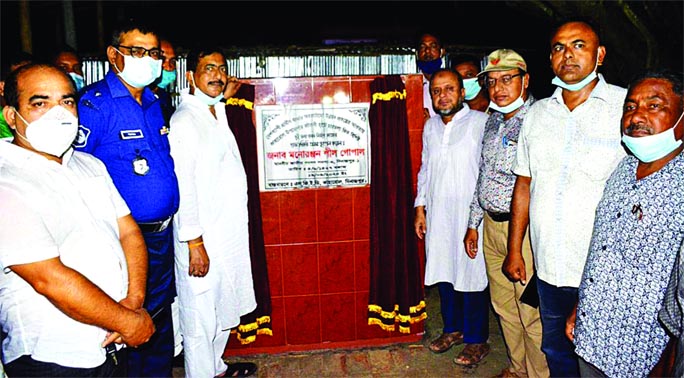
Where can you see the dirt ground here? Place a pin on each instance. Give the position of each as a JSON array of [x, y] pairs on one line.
[[397, 360]]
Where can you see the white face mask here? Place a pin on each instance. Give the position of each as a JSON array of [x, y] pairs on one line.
[[579, 85], [205, 98], [139, 72], [653, 147], [53, 132], [513, 106]]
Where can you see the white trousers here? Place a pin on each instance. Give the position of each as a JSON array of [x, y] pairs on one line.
[[203, 341]]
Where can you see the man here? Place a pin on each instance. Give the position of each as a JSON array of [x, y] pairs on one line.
[[469, 68], [638, 230], [430, 58], [122, 124], [569, 143], [167, 80], [213, 269], [506, 80], [73, 259], [71, 64], [452, 142]]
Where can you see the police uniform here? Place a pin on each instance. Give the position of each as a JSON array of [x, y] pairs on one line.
[[132, 141]]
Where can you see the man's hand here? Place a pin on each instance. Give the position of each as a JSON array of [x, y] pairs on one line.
[[470, 242], [199, 260], [514, 267], [232, 86], [426, 115], [419, 222], [570, 324], [137, 331]]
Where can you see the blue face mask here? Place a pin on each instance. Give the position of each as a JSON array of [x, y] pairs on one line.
[[78, 80], [472, 88], [167, 77], [653, 147], [429, 66], [579, 85]]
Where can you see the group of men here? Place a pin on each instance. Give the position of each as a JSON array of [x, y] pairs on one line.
[[576, 202], [104, 234], [111, 212]]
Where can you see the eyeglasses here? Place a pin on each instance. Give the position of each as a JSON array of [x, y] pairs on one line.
[[506, 80], [139, 52]]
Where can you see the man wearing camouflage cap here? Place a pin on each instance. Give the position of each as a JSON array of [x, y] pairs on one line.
[[506, 80]]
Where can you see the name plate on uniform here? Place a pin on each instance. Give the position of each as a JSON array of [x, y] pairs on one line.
[[313, 145]]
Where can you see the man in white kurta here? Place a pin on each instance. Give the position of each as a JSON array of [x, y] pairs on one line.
[[452, 142], [213, 270]]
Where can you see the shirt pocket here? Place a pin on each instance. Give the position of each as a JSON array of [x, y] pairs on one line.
[[505, 156], [596, 157], [131, 149]]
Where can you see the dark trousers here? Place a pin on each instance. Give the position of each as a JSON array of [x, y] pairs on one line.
[[155, 357], [25, 366], [555, 304], [467, 312]]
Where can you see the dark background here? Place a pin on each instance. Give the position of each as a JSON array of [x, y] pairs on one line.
[[637, 34]]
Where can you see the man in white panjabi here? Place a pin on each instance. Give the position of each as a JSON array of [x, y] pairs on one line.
[[213, 269], [452, 144]]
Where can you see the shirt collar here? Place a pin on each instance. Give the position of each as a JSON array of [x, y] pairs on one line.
[[194, 101], [461, 113]]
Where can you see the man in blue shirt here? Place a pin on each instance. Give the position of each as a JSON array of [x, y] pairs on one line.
[[122, 124]]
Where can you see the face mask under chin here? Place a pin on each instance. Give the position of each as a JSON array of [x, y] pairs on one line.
[[205, 98], [580, 84]]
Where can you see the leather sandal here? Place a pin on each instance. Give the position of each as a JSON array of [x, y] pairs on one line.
[[472, 354], [446, 341]]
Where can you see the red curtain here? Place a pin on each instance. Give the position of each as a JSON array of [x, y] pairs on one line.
[[396, 291], [239, 112]]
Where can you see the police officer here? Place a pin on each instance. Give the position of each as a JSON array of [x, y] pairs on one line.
[[122, 124]]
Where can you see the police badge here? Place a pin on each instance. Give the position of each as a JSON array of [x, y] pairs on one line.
[[140, 166]]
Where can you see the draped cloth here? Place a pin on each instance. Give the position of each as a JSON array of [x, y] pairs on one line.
[[239, 112], [396, 289]]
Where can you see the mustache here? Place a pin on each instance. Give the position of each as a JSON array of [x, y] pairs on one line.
[[217, 82], [634, 127]]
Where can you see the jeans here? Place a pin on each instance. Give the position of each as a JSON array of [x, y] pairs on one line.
[[555, 304]]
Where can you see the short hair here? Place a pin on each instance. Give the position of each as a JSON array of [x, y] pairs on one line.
[[589, 23], [673, 77], [194, 56], [129, 26], [466, 58], [424, 33], [61, 50], [12, 81], [453, 71]]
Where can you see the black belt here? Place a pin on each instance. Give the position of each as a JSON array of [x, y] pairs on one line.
[[499, 217], [152, 227]]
